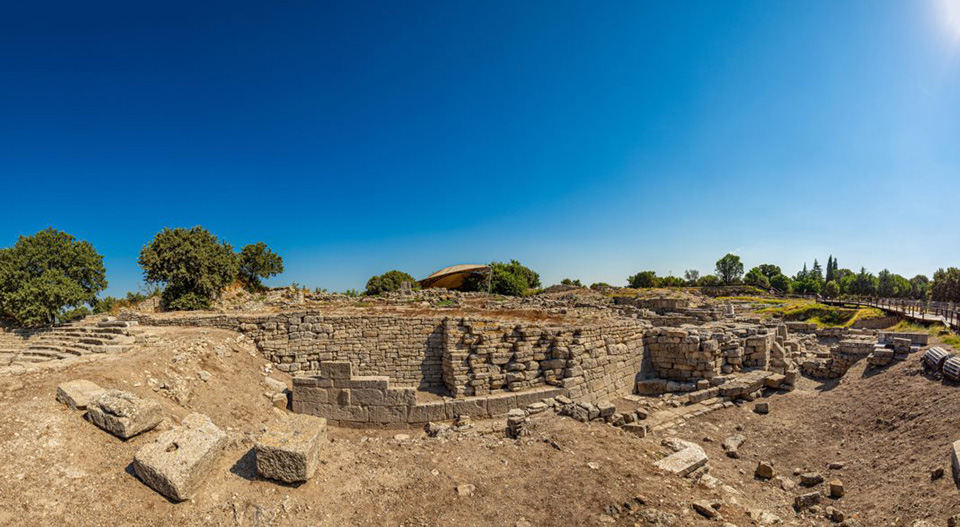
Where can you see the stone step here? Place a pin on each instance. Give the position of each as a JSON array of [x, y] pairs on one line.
[[45, 348]]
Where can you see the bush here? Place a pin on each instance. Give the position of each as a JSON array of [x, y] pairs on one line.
[[708, 281], [188, 261], [782, 283], [104, 305], [257, 261], [672, 281], [567, 281], [599, 285], [44, 274], [389, 281], [756, 278], [643, 279]]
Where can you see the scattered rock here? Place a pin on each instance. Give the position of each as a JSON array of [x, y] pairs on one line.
[[833, 514], [936, 473], [177, 462], [123, 414], [290, 451], [466, 490], [762, 408], [810, 479], [836, 465], [805, 501], [684, 461], [707, 509], [731, 445], [836, 489], [78, 394], [764, 470], [786, 484]]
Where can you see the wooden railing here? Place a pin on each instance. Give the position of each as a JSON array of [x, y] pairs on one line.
[[947, 313]]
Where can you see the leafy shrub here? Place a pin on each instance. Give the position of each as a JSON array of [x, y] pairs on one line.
[[510, 279], [188, 261], [389, 281], [672, 281], [643, 279], [757, 278], [599, 285], [567, 281], [781, 283], [708, 281], [257, 261], [44, 274], [74, 314]]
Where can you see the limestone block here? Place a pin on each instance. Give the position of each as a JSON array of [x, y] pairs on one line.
[[78, 394], [683, 462], [955, 456], [472, 407], [500, 404], [124, 414], [178, 461], [290, 452], [427, 412]]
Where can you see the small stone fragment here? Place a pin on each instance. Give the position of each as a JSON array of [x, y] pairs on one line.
[[705, 509], [810, 479], [731, 445], [805, 501], [762, 408], [764, 470], [836, 465], [833, 514], [836, 488], [466, 490], [78, 394]]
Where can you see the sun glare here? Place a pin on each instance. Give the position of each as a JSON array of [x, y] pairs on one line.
[[950, 13]]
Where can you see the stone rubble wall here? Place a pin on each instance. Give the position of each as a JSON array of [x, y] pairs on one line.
[[462, 356]]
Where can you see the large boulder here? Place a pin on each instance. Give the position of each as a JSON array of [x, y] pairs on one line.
[[176, 463], [124, 414], [290, 452], [78, 394]]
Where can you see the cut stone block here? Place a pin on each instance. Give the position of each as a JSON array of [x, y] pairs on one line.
[[78, 394], [955, 457], [123, 414], [683, 462], [178, 461], [290, 452]]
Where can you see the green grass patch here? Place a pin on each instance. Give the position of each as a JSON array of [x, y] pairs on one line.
[[820, 314]]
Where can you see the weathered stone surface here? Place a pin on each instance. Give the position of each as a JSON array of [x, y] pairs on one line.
[[762, 408], [955, 457], [290, 451], [731, 445], [124, 414], [178, 461], [809, 479], [706, 509], [836, 488], [683, 462], [636, 429], [807, 500], [764, 470], [78, 394]]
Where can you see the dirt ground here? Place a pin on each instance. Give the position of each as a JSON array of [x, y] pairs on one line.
[[890, 429]]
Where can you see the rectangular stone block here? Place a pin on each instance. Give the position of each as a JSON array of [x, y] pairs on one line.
[[290, 452], [78, 394], [124, 414], [400, 397], [180, 459], [387, 414], [501, 403], [470, 407], [427, 412], [683, 462]]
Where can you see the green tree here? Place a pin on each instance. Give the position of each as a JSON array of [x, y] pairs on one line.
[[257, 261], [691, 276], [816, 273], [389, 281], [568, 281], [946, 285], [672, 281], [781, 282], [920, 287], [756, 277], [44, 275], [831, 289], [769, 270], [729, 269], [189, 263], [643, 279]]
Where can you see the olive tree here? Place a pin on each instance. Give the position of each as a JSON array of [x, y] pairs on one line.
[[192, 265], [257, 261], [48, 277], [729, 269]]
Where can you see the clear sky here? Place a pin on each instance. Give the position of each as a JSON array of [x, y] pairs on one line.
[[587, 139]]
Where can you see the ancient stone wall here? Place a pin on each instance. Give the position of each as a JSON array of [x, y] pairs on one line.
[[460, 356]]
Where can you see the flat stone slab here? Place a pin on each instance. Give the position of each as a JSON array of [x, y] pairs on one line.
[[78, 394], [683, 462], [124, 414], [177, 462], [290, 451]]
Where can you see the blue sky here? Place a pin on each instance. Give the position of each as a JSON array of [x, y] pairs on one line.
[[586, 139]]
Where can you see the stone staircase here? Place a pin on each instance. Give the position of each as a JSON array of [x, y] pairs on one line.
[[74, 340]]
